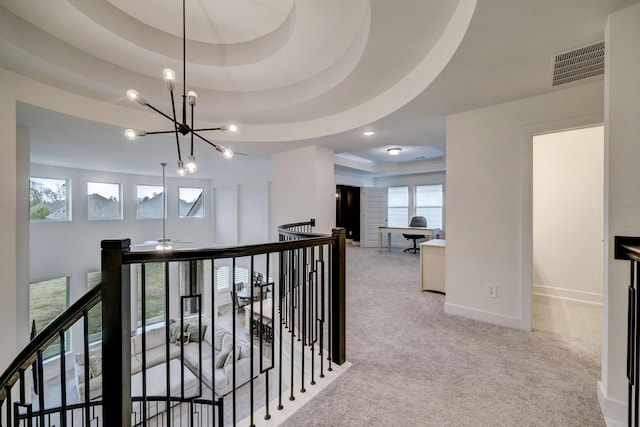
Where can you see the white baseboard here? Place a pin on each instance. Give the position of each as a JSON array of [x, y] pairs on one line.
[[485, 316], [567, 293], [614, 411]]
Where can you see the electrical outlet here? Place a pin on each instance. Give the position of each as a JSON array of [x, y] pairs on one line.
[[491, 291]]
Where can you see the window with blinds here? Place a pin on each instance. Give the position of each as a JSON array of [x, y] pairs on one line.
[[223, 276], [428, 204], [398, 207]]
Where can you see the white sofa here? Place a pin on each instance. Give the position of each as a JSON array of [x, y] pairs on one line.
[[217, 364]]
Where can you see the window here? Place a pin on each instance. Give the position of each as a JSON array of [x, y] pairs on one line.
[[95, 314], [47, 299], [103, 201], [191, 202], [154, 292], [398, 207], [223, 277], [149, 201], [429, 204], [48, 199]]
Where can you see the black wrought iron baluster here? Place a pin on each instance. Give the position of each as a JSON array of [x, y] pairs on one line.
[[87, 388], [9, 409], [63, 382], [322, 310], [251, 355], [233, 333], [41, 387], [636, 343], [303, 327], [168, 338], [281, 309]]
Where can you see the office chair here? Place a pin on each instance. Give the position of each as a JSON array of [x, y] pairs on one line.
[[416, 221]]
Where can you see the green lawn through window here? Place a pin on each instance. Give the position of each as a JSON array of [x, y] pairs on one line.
[[47, 299]]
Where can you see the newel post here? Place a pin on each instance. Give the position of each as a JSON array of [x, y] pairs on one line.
[[338, 297], [116, 334]]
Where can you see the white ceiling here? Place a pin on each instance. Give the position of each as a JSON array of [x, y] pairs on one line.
[[289, 73]]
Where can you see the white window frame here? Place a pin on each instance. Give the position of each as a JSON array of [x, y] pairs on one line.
[[139, 202], [67, 198], [119, 200]]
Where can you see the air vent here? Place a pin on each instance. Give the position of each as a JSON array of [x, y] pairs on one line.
[[578, 64]]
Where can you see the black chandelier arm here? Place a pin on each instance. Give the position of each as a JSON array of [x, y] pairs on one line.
[[162, 114], [160, 132], [173, 110], [175, 123], [202, 130], [195, 132]]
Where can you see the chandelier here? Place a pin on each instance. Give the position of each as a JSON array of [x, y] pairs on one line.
[[179, 127]]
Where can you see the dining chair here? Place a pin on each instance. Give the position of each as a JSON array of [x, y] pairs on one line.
[[238, 302]]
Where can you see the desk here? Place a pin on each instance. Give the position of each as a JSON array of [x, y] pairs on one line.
[[429, 232]]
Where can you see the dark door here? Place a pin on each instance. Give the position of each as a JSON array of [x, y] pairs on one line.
[[348, 210]]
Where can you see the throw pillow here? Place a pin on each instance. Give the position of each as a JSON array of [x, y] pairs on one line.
[[95, 366], [174, 331], [218, 336], [227, 347], [195, 335], [244, 351]]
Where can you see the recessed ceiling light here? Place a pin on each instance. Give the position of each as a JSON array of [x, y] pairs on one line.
[[368, 133], [394, 151]]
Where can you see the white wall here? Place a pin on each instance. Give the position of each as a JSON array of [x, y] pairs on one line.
[[622, 198], [303, 188], [353, 181], [488, 202], [414, 179], [254, 213], [226, 215], [9, 264], [568, 224]]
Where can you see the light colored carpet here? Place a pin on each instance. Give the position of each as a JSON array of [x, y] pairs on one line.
[[415, 365]]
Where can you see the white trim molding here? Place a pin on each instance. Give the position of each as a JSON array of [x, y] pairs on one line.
[[614, 411], [485, 316], [552, 291]]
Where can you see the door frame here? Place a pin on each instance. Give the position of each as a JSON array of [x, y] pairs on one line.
[[526, 205]]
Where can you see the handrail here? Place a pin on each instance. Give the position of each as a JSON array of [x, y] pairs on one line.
[[224, 252], [63, 321]]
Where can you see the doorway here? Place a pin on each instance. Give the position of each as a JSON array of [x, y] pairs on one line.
[[348, 211], [568, 229]]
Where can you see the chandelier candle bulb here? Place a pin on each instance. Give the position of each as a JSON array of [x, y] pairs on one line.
[[132, 134], [192, 97], [180, 170], [191, 164], [169, 74]]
